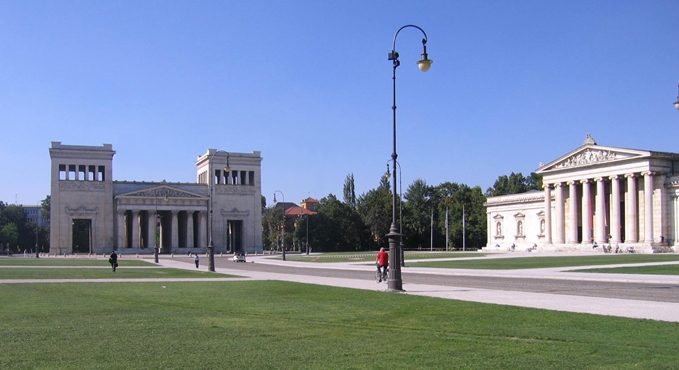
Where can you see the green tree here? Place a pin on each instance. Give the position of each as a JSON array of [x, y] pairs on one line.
[[514, 184], [459, 199], [417, 214], [336, 227], [9, 235], [14, 214], [44, 230], [375, 208], [349, 191], [272, 219], [46, 206]]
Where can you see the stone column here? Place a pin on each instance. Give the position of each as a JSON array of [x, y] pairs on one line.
[[648, 207], [631, 221], [151, 234], [202, 229], [121, 229], [135, 229], [189, 229], [573, 215], [489, 230], [559, 209], [661, 208], [600, 235], [586, 213], [615, 210], [175, 231], [548, 214]]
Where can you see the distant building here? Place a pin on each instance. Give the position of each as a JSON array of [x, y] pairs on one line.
[[138, 216], [293, 211], [593, 196], [34, 214], [310, 204]]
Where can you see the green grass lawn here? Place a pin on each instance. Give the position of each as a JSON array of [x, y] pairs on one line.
[[280, 325], [103, 273], [644, 270], [19, 261], [545, 262], [370, 256]]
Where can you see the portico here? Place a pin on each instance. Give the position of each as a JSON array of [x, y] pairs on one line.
[[139, 216], [598, 195]]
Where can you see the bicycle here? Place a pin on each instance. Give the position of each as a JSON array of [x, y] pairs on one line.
[[383, 276]]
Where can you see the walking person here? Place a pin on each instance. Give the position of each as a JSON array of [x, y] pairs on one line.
[[196, 259], [113, 260]]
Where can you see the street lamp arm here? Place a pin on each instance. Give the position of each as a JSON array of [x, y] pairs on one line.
[[282, 228], [424, 40], [425, 63]]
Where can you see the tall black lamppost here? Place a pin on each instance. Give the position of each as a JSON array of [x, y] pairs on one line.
[[156, 247], [211, 183], [676, 103], [282, 228], [394, 282], [307, 234], [38, 217], [400, 209]]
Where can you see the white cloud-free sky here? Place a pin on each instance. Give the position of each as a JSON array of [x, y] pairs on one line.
[[308, 83]]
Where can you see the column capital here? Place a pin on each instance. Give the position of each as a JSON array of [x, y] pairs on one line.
[[614, 177], [572, 182], [547, 186], [600, 179], [648, 173], [585, 181], [630, 175]]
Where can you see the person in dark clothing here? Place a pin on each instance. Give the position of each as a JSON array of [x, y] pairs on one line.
[[196, 259], [113, 260]]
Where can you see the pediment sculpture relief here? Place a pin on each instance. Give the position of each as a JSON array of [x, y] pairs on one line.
[[588, 157], [163, 193]]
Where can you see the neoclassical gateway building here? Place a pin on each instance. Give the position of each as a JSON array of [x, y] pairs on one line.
[[138, 216], [594, 195]]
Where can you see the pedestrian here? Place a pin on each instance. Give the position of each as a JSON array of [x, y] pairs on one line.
[[113, 260], [382, 262], [196, 259]]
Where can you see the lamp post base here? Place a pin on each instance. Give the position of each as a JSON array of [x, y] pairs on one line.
[[394, 282], [211, 257]]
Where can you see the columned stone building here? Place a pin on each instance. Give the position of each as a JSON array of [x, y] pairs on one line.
[[593, 196], [138, 216]]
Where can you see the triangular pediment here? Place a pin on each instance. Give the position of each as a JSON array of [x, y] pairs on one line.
[[591, 155], [163, 191]]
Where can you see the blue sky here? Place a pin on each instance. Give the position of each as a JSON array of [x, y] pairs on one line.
[[308, 83]]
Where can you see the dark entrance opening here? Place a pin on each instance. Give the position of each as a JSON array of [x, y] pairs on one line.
[[234, 236], [82, 236]]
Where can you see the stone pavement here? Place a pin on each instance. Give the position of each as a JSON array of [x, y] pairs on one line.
[[652, 310]]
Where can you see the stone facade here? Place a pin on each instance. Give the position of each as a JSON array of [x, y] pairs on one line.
[[593, 196], [136, 217]]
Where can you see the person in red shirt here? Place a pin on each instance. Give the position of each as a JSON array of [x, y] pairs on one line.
[[382, 262]]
